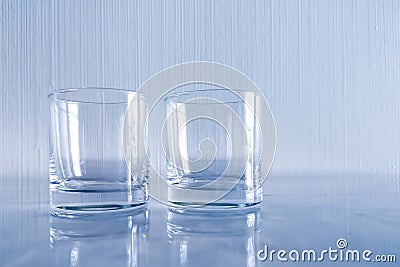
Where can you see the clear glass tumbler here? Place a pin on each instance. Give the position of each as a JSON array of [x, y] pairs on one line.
[[90, 171], [213, 143]]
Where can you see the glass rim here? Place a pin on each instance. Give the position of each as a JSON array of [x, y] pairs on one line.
[[236, 92], [55, 95]]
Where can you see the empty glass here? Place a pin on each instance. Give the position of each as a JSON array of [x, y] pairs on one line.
[[90, 171], [213, 143]]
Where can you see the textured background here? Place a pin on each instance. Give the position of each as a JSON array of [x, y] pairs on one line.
[[330, 70]]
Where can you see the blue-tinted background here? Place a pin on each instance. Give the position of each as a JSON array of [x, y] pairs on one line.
[[329, 69]]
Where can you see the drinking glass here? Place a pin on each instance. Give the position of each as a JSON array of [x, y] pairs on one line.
[[213, 143], [90, 171]]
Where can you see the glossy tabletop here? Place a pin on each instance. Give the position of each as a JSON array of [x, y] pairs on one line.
[[298, 214]]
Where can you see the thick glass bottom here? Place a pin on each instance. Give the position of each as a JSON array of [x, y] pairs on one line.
[[65, 202], [209, 198]]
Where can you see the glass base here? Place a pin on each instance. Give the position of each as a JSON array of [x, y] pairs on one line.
[[65, 202], [238, 198]]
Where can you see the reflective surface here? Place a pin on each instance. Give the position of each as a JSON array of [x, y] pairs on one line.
[[298, 213]]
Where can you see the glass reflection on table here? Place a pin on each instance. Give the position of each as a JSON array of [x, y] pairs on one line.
[[213, 238], [99, 240]]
